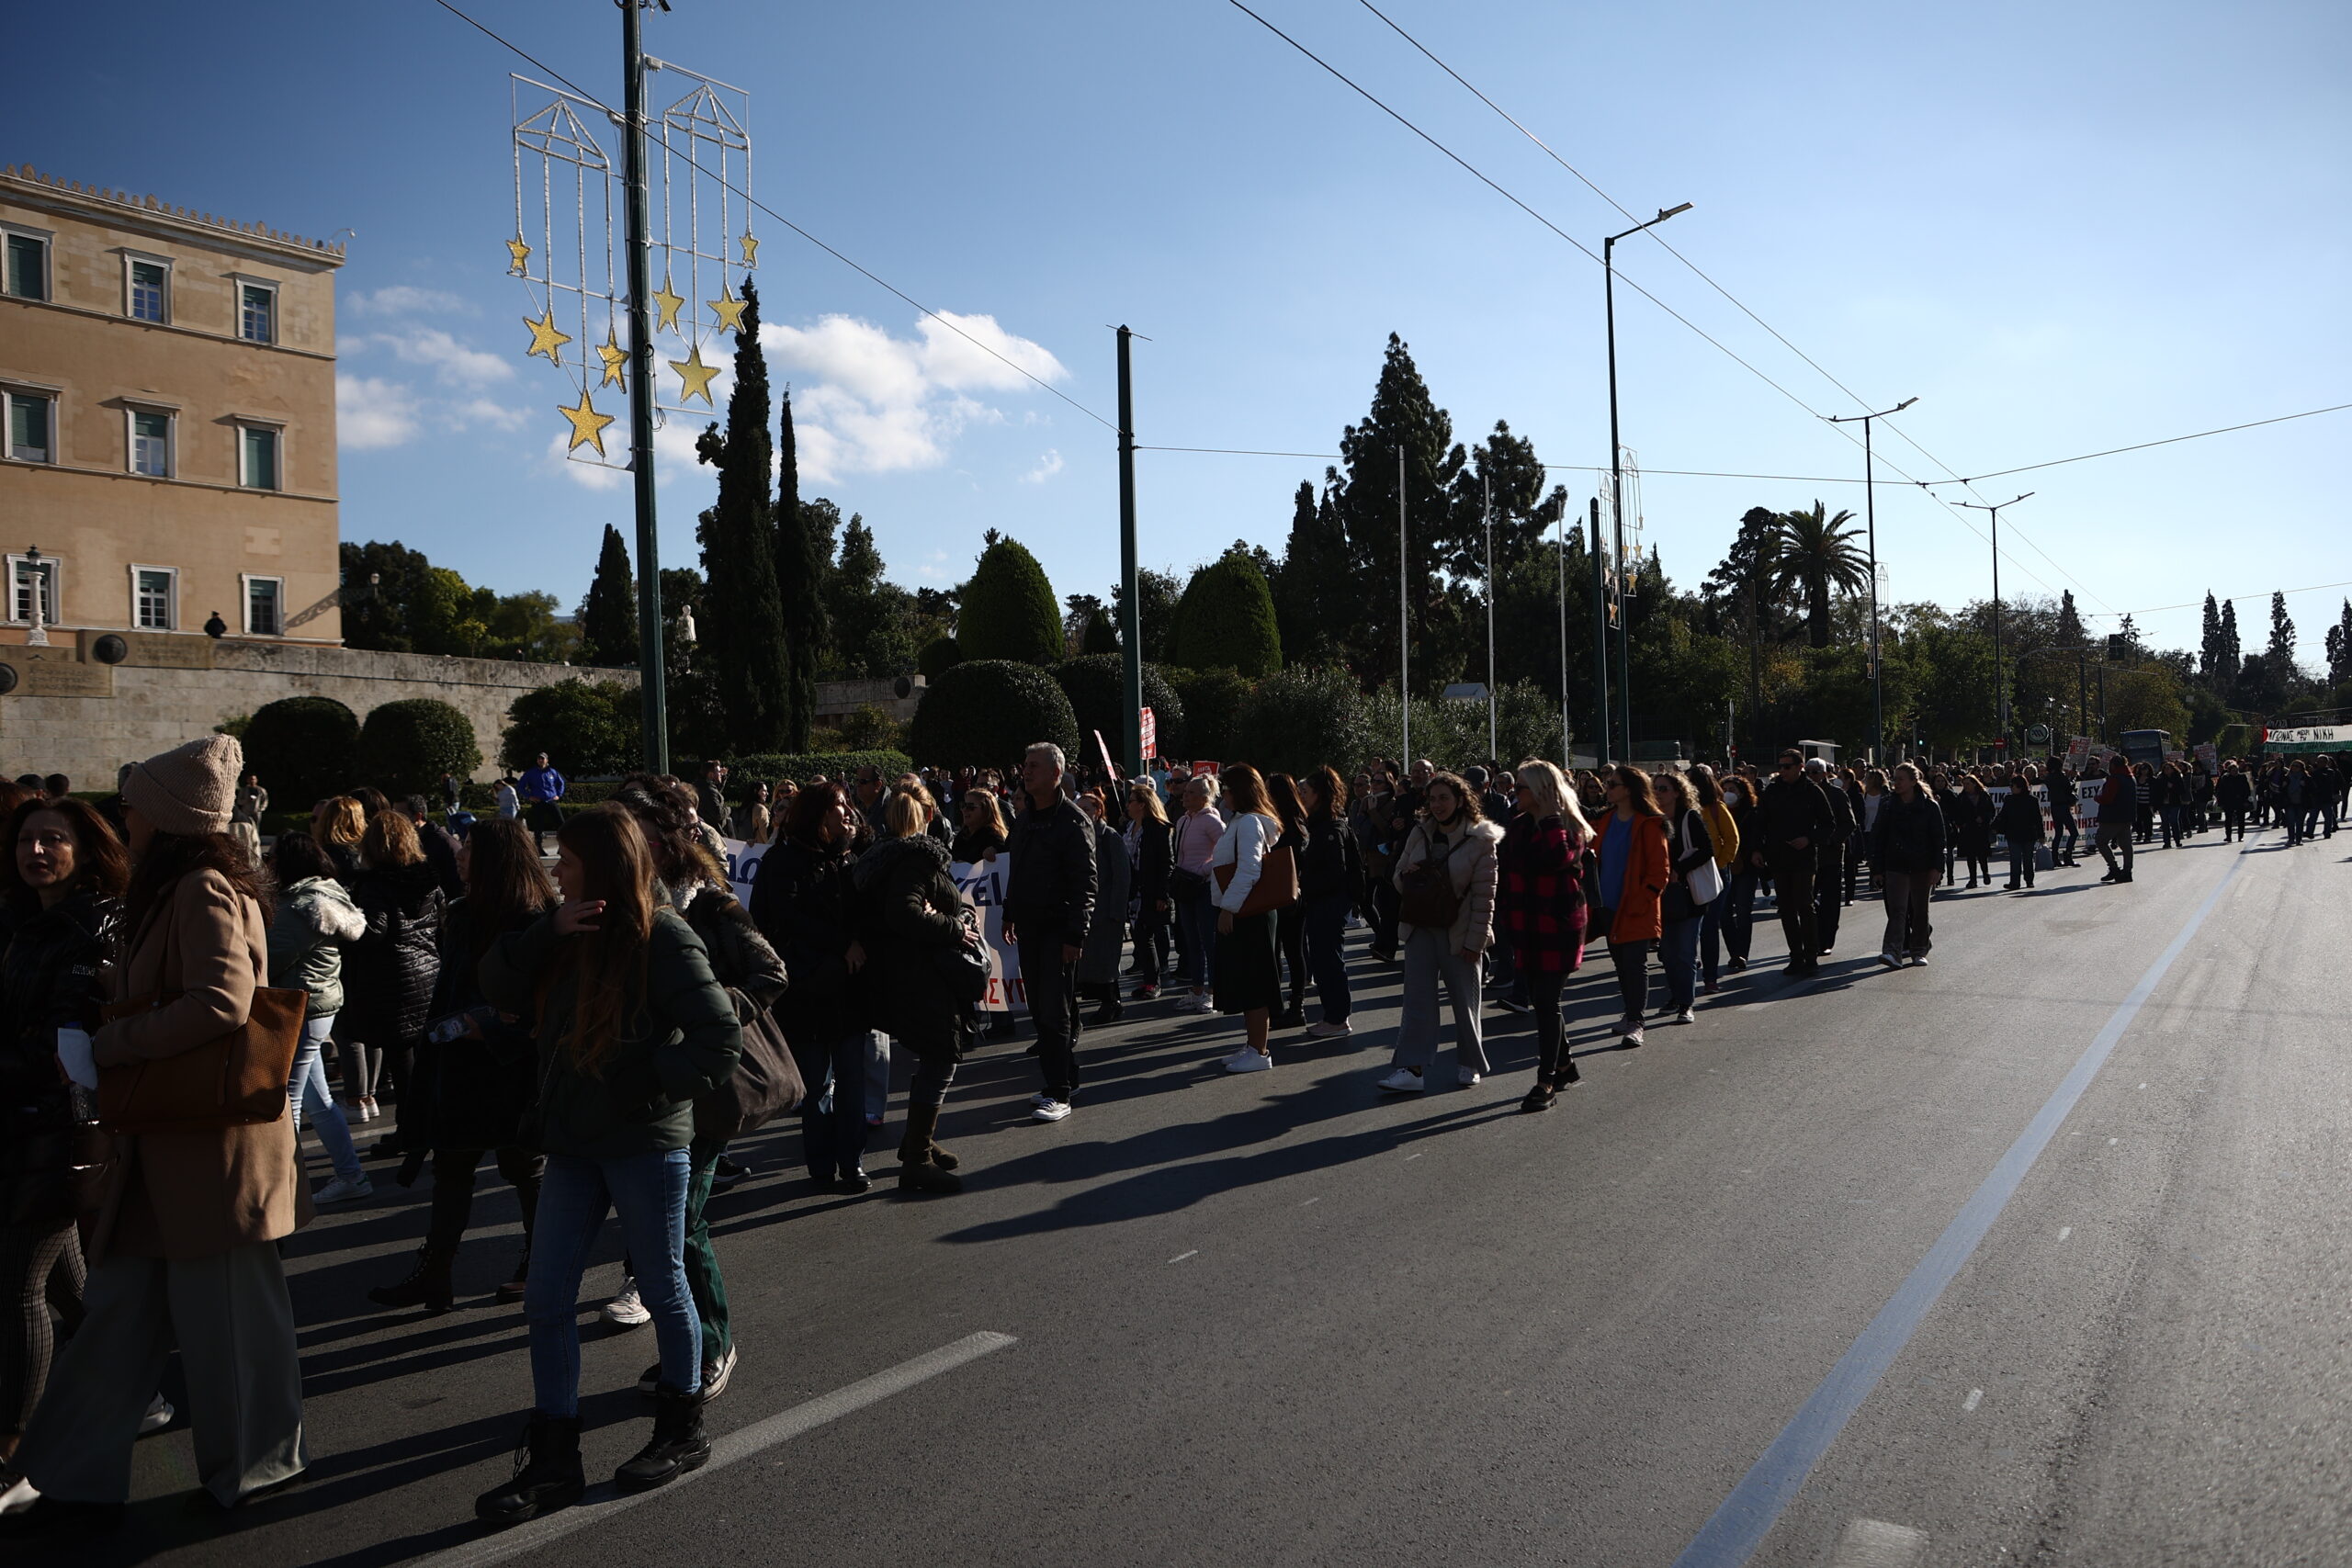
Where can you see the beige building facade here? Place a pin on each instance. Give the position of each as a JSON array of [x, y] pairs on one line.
[[168, 452]]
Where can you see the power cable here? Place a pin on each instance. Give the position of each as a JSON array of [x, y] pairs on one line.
[[2143, 446]]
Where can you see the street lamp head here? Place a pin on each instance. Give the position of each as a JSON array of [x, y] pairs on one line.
[[1666, 212], [1905, 404]]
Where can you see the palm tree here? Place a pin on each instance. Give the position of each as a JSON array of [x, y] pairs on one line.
[[1817, 553]]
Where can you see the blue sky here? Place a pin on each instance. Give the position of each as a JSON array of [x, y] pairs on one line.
[[2062, 228]]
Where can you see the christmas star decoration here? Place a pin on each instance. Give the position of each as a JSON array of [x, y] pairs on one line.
[[751, 249], [728, 308], [521, 253], [545, 339], [615, 356], [694, 374], [587, 424], [669, 304]]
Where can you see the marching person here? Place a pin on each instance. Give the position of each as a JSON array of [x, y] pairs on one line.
[[1106, 940], [1540, 899], [909, 918], [802, 903], [1795, 817], [2018, 822], [2118, 800], [1248, 976], [1908, 848], [1635, 867], [1445, 881], [314, 919], [1148, 841], [1048, 909], [1326, 891], [1192, 846]]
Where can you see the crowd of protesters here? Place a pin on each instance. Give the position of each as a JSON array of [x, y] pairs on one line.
[[601, 1033]]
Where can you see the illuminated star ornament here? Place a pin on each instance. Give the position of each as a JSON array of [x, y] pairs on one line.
[[587, 424], [695, 374], [615, 356], [545, 338], [751, 249], [521, 255], [728, 308], [669, 304]]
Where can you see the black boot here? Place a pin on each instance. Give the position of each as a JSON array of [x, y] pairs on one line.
[[547, 1473], [427, 1284], [919, 1167], [676, 1447]]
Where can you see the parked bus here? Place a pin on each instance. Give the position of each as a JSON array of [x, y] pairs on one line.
[[2147, 745]]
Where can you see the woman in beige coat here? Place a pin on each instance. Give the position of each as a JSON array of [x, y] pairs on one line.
[[1451, 834], [182, 1252]]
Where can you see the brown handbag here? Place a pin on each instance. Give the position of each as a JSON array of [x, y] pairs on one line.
[[1426, 896], [1276, 888], [237, 1079]]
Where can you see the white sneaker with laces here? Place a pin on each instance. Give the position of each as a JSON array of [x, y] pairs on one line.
[[1464, 1077], [158, 1416], [1404, 1080], [1918, 960], [1040, 1098], [625, 1311], [1684, 1015], [342, 1190], [1892, 961], [1328, 1030], [1247, 1061], [1634, 1036], [1052, 1111], [19, 1496], [1630, 1024]]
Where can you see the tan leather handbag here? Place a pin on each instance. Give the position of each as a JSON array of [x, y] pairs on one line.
[[235, 1080]]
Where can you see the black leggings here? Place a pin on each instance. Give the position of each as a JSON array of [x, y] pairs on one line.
[[1290, 941], [453, 1190], [1543, 1000], [41, 1268]]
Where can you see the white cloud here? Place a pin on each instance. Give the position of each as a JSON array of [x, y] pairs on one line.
[[453, 363], [875, 404], [588, 475], [406, 299], [371, 413], [1048, 467], [479, 411]]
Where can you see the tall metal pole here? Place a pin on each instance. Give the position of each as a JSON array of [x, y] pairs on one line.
[[1617, 507], [2000, 688], [1130, 606], [2082, 693], [1869, 514], [1560, 534], [1604, 738], [653, 699], [1404, 633], [1492, 743]]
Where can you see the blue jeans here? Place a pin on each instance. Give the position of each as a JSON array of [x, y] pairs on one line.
[[1327, 927], [306, 1088], [649, 1192], [833, 1116], [1678, 951], [1196, 918]]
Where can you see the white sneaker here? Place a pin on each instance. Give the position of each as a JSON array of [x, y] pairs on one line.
[[19, 1496], [1247, 1061], [1052, 1111], [1464, 1077], [1634, 1036], [1328, 1030], [1404, 1080], [1040, 1099], [1918, 960], [342, 1190], [1684, 1015], [625, 1311], [1892, 961], [1205, 1004], [1630, 1023], [158, 1416]]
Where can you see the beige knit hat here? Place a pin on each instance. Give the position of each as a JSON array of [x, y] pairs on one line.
[[191, 789]]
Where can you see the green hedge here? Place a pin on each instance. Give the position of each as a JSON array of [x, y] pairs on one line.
[[986, 712], [801, 766], [405, 747], [1094, 685], [303, 748]]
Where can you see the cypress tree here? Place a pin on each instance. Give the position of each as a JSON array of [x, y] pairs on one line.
[[1313, 593], [800, 588], [2339, 646], [2070, 632], [608, 616], [745, 624], [2232, 654], [2282, 651], [2209, 657], [1226, 620], [1009, 610], [1403, 414]]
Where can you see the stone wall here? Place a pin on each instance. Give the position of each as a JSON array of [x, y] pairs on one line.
[[70, 713], [836, 700]]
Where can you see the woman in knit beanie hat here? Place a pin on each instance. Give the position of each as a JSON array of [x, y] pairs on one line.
[[183, 1248]]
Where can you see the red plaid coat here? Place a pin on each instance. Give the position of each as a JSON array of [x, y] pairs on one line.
[[1540, 895]]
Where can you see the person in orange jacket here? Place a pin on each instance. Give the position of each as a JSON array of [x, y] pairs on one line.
[[1630, 841]]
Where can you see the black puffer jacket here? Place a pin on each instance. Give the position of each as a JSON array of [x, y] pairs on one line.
[[908, 916], [388, 979], [482, 1088], [1909, 835], [52, 1159], [1051, 889], [800, 902]]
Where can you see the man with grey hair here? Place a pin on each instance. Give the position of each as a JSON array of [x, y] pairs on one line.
[[1048, 908]]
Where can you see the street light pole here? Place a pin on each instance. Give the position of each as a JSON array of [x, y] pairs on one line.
[[651, 694], [1492, 743], [1617, 472], [2000, 691], [1869, 514]]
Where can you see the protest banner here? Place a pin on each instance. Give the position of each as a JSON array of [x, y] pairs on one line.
[[982, 883]]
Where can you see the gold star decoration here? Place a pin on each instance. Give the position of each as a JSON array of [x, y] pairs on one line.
[[751, 249], [545, 339], [587, 424], [669, 304], [728, 308], [695, 374], [615, 356], [521, 253]]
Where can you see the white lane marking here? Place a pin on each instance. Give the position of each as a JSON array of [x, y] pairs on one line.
[[2143, 1086], [1875, 1543], [1181, 1255], [1311, 1200], [2112, 1142], [603, 1502], [1415, 1154], [2066, 1231], [1975, 1397]]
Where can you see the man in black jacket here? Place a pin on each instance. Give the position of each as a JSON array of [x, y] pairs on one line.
[[1797, 821], [1830, 887], [2064, 835], [1909, 852], [1048, 907]]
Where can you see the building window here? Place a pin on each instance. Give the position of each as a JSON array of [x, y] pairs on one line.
[[27, 267], [256, 312], [24, 575], [150, 295], [151, 443], [32, 427], [258, 457], [154, 598], [265, 606]]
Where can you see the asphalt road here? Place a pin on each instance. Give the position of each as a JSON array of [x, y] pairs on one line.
[[1286, 1318]]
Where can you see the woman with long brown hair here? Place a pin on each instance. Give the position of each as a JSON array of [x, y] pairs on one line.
[[61, 908], [1327, 888], [1248, 979], [801, 902], [184, 1246], [479, 1065], [1290, 921], [389, 978], [1539, 901], [631, 1026], [1445, 880], [1634, 873]]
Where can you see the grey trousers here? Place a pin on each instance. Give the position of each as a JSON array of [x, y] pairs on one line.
[[1426, 958], [1908, 930], [234, 1326]]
